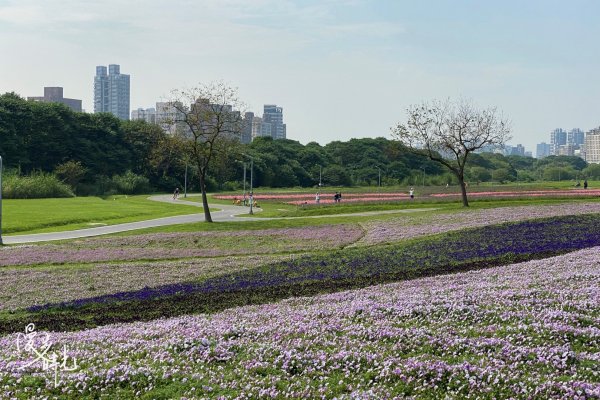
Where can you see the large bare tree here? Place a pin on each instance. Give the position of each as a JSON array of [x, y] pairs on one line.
[[447, 132], [210, 117]]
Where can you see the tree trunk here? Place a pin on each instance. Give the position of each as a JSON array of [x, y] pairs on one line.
[[463, 189], [207, 217]]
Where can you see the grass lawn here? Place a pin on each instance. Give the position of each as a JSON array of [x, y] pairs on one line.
[[52, 215]]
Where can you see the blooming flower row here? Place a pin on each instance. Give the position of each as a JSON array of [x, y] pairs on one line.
[[528, 330], [311, 196], [183, 245], [527, 193], [27, 286], [359, 266], [417, 225]]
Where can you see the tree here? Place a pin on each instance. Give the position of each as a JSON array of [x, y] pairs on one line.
[[71, 172], [447, 132], [207, 111], [592, 171]]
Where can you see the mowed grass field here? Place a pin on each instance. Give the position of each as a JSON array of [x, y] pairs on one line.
[[52, 215]]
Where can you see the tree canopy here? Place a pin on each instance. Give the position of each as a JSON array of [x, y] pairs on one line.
[[448, 132]]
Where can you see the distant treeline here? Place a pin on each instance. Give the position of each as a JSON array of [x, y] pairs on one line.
[[97, 154]]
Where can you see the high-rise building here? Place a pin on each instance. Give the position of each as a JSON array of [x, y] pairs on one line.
[[543, 150], [517, 150], [246, 136], [55, 95], [566, 150], [592, 146], [274, 115], [558, 138], [111, 91], [576, 137], [260, 128], [169, 118], [144, 114]]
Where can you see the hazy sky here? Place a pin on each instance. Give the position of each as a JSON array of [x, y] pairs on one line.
[[340, 69]]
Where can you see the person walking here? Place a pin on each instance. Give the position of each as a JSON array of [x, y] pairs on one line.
[[176, 193], [585, 184], [411, 192], [318, 198]]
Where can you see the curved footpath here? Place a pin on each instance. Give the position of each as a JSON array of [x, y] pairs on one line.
[[225, 213]]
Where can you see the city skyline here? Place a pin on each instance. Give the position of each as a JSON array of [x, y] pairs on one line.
[[341, 69]]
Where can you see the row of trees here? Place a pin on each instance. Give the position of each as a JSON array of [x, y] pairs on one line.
[[96, 153]]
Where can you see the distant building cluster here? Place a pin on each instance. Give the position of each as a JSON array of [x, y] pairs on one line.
[[269, 125], [572, 143], [112, 95], [507, 150]]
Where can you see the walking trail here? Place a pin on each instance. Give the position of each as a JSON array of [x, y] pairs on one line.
[[225, 213]]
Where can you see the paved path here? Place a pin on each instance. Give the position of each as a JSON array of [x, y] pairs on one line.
[[225, 213]]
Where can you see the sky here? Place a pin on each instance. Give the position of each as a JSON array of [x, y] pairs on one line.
[[340, 69]]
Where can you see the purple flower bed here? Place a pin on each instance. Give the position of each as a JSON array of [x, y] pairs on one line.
[[22, 287], [361, 266], [528, 330], [183, 245], [406, 228]]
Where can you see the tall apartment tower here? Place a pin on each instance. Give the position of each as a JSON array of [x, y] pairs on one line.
[[592, 146], [273, 115], [246, 135], [111, 91], [558, 138], [543, 150], [576, 137]]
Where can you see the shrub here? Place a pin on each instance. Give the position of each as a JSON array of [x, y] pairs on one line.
[[130, 183], [35, 186]]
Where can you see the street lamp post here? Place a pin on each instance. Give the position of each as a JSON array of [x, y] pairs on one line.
[[251, 179], [1, 201], [244, 180], [185, 181], [244, 184], [379, 180], [320, 173]]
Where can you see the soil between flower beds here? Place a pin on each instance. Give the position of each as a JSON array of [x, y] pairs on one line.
[[351, 268]]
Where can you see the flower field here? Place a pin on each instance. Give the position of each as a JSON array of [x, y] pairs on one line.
[[527, 193], [183, 245], [456, 305], [318, 273], [327, 198], [529, 330], [405, 228]]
